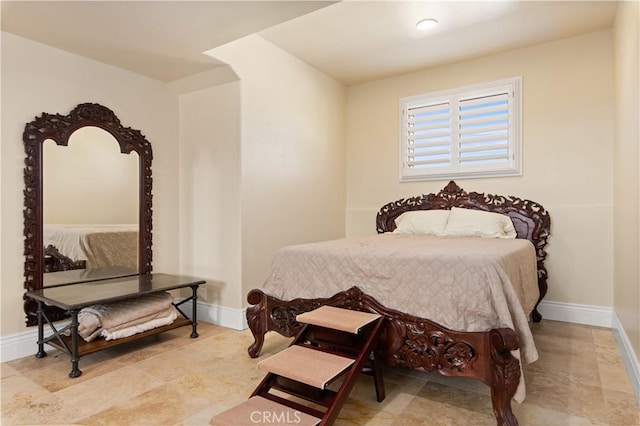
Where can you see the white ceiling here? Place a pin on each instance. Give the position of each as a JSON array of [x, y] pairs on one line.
[[164, 40], [355, 41], [352, 41]]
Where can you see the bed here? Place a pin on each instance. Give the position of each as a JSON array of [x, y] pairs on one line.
[[462, 307], [69, 247]]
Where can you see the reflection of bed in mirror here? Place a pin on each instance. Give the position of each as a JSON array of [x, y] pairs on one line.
[[69, 247]]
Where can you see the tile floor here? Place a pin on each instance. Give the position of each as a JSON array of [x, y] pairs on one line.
[[171, 379]]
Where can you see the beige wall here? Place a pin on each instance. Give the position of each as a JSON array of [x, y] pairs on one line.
[[292, 153], [210, 191], [568, 103], [37, 78], [626, 175]]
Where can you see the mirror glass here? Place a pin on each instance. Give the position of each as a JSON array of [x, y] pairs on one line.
[[90, 208], [95, 173]]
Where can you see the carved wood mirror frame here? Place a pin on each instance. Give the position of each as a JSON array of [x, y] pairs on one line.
[[59, 128]]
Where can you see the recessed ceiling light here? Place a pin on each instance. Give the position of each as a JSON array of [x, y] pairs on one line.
[[426, 24]]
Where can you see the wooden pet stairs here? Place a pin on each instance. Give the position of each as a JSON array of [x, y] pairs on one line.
[[330, 351]]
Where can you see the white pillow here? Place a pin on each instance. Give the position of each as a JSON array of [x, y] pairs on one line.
[[477, 223], [425, 222]]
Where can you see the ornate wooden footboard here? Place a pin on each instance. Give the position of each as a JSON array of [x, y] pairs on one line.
[[409, 341]]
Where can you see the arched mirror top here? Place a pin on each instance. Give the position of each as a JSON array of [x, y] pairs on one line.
[[60, 128]]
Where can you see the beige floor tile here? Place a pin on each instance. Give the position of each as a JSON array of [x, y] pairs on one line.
[[219, 379], [436, 404], [107, 390], [355, 412], [55, 376], [203, 416], [179, 362], [614, 377], [463, 383], [30, 363], [164, 405], [7, 371], [622, 408], [581, 350], [607, 354], [582, 368], [604, 337], [38, 410], [18, 391], [564, 330], [530, 414], [399, 389], [561, 392]]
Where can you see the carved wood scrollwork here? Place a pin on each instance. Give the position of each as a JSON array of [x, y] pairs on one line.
[[55, 261], [59, 128], [530, 219], [426, 346], [505, 374]]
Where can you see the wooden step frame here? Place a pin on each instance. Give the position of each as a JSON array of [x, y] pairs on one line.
[[360, 347]]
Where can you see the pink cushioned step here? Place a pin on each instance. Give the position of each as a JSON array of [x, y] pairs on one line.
[[337, 318], [306, 365]]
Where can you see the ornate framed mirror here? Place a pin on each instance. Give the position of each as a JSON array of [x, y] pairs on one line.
[[100, 121]]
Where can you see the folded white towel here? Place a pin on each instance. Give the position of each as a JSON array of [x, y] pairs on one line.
[[92, 320]]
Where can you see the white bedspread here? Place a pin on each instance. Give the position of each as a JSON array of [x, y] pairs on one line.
[[465, 284]]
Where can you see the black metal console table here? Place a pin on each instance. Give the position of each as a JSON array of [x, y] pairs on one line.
[[73, 297]]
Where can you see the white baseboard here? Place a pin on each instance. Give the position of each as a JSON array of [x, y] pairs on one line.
[[24, 344], [600, 316], [628, 355], [220, 315], [19, 345]]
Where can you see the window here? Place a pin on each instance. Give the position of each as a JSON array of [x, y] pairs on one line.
[[467, 132]]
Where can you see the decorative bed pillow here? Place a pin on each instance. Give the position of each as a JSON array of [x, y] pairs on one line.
[[425, 222], [477, 223]]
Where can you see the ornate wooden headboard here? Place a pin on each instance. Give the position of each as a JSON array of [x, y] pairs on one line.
[[530, 219]]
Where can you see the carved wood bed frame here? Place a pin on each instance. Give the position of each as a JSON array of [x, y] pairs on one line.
[[419, 343], [54, 261]]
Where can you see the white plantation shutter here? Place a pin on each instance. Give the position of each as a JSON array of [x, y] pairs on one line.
[[472, 132], [429, 135]]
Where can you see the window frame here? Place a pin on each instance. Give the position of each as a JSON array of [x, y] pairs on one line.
[[512, 86]]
